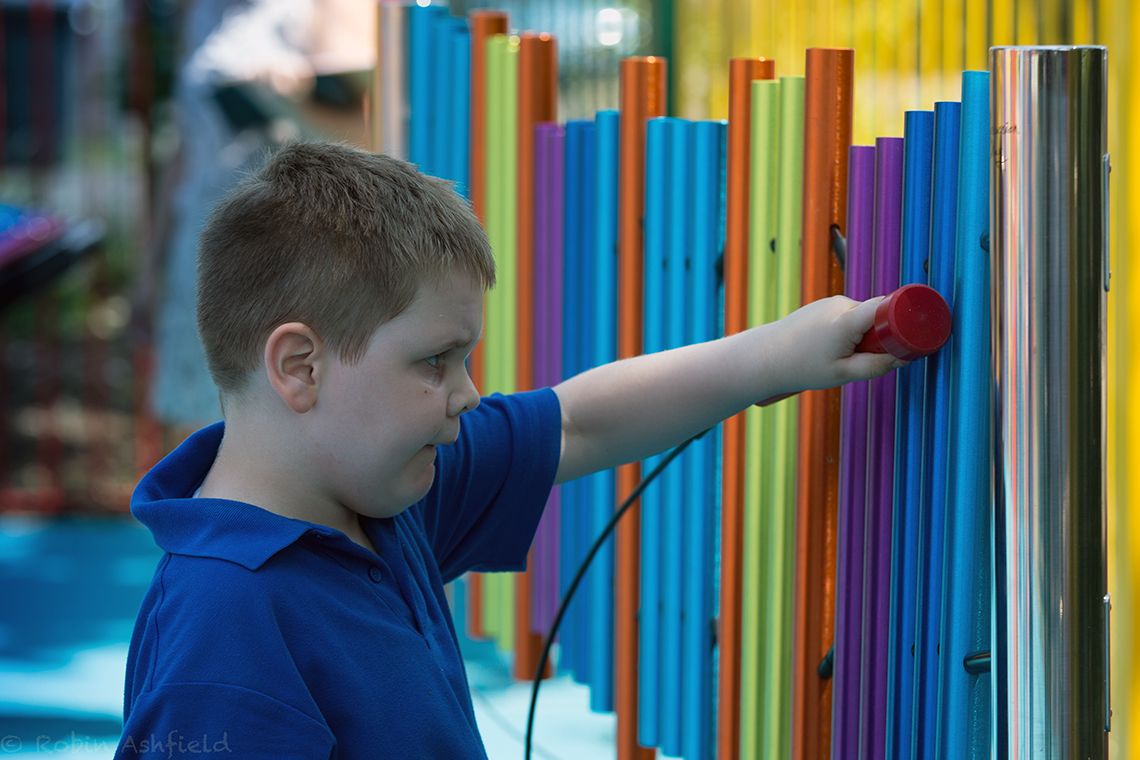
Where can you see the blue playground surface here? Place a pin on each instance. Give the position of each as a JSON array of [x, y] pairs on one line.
[[72, 587]]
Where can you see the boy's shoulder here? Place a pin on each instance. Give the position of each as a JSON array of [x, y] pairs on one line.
[[209, 619], [197, 593]]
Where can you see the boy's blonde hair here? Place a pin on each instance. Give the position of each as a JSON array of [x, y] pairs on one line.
[[331, 236]]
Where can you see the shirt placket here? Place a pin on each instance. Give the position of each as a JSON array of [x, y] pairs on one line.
[[392, 546]]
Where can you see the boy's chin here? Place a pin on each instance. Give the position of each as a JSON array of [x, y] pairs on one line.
[[392, 509], [387, 510]]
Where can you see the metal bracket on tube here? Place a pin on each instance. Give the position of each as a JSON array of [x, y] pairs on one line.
[[977, 663], [1107, 672], [1107, 169], [827, 664], [839, 247]]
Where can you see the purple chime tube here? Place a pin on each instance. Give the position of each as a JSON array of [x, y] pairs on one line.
[[880, 461], [852, 468], [548, 347]]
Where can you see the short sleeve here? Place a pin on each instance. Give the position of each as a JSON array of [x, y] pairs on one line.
[[493, 483], [178, 719]]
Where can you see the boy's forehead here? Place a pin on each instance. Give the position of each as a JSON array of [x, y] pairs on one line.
[[448, 313], [454, 289]]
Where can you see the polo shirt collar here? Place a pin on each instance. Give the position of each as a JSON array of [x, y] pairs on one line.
[[203, 527]]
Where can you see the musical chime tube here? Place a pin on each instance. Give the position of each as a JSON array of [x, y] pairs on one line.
[[642, 98], [605, 349], [1049, 248], [880, 460], [537, 89], [936, 411], [700, 476], [549, 286], [577, 312], [484, 24], [390, 85], [853, 469], [827, 138], [964, 712], [776, 721], [658, 134], [917, 172], [759, 509], [742, 72]]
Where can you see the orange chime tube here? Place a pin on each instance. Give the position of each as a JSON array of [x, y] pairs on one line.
[[484, 24], [642, 81], [741, 73], [827, 138], [538, 102]]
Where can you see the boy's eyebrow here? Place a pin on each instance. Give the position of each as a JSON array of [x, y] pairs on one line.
[[460, 342]]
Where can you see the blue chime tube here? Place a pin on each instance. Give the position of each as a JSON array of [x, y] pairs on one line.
[[590, 308], [935, 460], [918, 134], [595, 585], [679, 205], [658, 176], [601, 633], [700, 480], [421, 62], [443, 98], [459, 149], [1049, 251], [964, 723]]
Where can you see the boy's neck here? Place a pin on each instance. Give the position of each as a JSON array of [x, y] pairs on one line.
[[237, 477]]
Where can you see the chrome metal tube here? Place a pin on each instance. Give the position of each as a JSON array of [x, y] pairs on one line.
[[390, 92], [1049, 262]]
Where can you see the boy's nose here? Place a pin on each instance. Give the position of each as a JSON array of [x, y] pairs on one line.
[[468, 397], [465, 402]]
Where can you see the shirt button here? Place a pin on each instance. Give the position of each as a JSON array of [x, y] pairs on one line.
[[374, 574]]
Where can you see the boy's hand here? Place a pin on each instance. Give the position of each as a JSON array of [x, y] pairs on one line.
[[629, 409], [813, 347]]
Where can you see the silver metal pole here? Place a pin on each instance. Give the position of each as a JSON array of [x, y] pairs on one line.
[[390, 94], [1049, 258]]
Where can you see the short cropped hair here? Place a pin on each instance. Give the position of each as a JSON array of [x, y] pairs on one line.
[[334, 237]]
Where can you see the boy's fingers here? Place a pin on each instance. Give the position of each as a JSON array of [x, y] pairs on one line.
[[867, 366]]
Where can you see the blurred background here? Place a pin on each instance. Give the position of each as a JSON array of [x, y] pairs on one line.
[[123, 121]]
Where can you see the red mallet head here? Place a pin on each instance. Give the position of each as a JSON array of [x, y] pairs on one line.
[[910, 323]]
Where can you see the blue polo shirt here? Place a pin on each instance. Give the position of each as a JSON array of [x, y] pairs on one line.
[[264, 636]]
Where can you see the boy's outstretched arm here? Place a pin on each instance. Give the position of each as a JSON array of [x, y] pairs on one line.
[[633, 408]]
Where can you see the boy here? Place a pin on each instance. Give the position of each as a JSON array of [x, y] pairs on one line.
[[299, 610]]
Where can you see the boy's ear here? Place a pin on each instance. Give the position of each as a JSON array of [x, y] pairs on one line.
[[294, 364]]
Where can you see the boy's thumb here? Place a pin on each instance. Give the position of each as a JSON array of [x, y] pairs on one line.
[[863, 316]]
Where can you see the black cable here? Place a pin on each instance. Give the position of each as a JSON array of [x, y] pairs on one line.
[[565, 604], [506, 725]]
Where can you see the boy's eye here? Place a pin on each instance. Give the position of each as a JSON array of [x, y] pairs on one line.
[[433, 361]]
